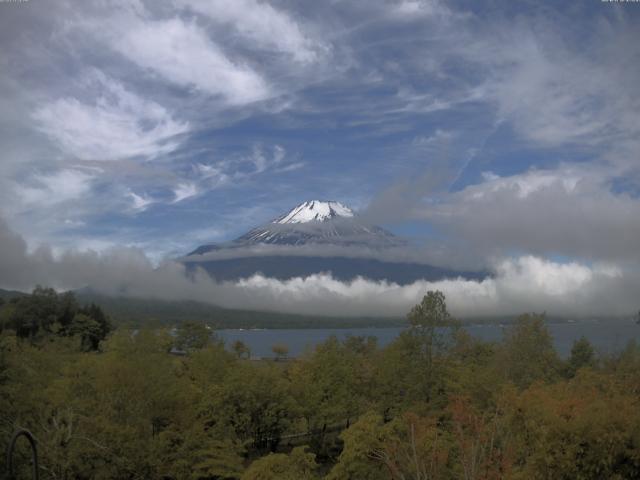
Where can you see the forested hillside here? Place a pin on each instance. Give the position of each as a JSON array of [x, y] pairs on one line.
[[434, 404], [140, 312]]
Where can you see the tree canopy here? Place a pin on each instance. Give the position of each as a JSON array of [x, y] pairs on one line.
[[45, 313], [435, 403]]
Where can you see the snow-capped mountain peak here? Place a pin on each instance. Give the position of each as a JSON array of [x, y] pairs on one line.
[[310, 224], [315, 210]]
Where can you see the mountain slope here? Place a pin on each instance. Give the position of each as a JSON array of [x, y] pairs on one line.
[[148, 312], [315, 210], [313, 222], [285, 267], [9, 294]]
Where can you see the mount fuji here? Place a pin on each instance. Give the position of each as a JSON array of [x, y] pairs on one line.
[[313, 223], [315, 237]]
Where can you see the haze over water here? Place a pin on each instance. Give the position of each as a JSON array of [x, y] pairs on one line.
[[606, 336]]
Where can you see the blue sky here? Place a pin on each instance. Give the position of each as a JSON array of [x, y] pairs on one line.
[[506, 126]]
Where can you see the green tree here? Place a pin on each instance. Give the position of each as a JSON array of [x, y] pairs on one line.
[[209, 366], [408, 447], [280, 350], [474, 371], [331, 388], [624, 366], [413, 368], [361, 345], [198, 453], [431, 327], [45, 313], [587, 429], [104, 326], [241, 349], [35, 314], [527, 352], [139, 395], [254, 401], [582, 355], [361, 440], [192, 336], [298, 465], [2, 315], [67, 309], [87, 329]]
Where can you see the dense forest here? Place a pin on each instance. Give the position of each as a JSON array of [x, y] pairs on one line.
[[109, 403]]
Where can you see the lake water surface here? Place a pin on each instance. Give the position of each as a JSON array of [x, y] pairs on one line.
[[606, 336]]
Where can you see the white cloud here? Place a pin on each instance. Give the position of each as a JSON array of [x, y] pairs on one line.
[[54, 188], [263, 162], [74, 223], [233, 170], [526, 184], [213, 174], [532, 73], [140, 202], [519, 285], [261, 23], [291, 167], [436, 139], [566, 211], [415, 9], [182, 53], [279, 154], [184, 191], [555, 90], [113, 125]]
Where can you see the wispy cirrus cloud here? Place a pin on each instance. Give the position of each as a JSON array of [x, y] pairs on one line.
[[556, 86], [185, 191], [182, 53], [246, 166], [140, 202], [112, 123], [201, 178], [262, 24], [262, 163], [419, 10], [416, 99], [55, 187]]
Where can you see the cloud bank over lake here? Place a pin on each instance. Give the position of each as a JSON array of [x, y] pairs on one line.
[[519, 284]]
